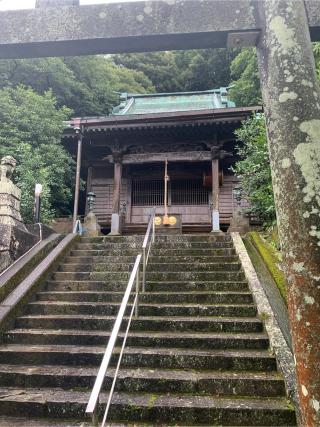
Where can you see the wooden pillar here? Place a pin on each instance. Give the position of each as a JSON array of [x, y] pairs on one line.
[[292, 108], [116, 187], [115, 219], [215, 196], [77, 184]]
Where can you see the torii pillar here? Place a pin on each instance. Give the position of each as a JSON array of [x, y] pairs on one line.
[[292, 109]]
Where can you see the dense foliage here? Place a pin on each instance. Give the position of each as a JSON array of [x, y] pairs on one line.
[[189, 70], [30, 131], [32, 118], [254, 169], [245, 85], [253, 166], [87, 85], [316, 52]]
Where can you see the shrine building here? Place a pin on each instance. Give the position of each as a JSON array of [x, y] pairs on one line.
[[123, 158]]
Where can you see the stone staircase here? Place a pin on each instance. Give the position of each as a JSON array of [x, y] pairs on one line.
[[197, 355]]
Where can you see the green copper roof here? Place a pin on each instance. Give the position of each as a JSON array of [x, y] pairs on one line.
[[172, 102]]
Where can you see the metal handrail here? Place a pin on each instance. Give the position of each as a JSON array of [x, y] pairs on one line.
[[92, 407], [93, 404], [145, 245]]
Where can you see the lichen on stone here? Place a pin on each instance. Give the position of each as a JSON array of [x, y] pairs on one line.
[[286, 96], [283, 33]]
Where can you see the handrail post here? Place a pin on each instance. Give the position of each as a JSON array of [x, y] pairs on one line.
[[95, 415], [137, 293], [144, 271]]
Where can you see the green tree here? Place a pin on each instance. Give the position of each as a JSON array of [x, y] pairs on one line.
[[254, 168], [159, 67], [87, 85], [316, 52], [176, 71], [245, 85], [31, 129], [101, 79], [205, 69]]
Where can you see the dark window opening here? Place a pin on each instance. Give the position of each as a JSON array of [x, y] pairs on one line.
[[147, 193], [180, 192]]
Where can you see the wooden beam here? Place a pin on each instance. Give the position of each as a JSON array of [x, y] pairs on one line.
[[188, 156], [116, 187], [77, 183]]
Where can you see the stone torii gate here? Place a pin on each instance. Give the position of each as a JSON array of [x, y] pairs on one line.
[[282, 31]]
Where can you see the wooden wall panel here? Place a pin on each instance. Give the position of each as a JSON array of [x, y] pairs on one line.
[[190, 214], [102, 185]]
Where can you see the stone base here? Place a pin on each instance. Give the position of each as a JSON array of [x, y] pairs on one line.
[[14, 242], [91, 225], [215, 218], [239, 223], [217, 233], [116, 225]]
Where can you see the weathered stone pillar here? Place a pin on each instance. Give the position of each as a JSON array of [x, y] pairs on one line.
[[292, 108], [15, 239], [115, 219]]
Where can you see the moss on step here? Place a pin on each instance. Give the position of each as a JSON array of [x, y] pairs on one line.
[[271, 261]]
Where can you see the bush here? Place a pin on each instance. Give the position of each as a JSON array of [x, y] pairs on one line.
[[254, 170]]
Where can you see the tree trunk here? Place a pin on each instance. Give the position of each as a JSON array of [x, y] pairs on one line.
[[291, 98]]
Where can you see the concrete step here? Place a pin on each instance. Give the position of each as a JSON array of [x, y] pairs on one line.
[[192, 238], [155, 252], [149, 297], [183, 276], [42, 422], [103, 259], [173, 324], [152, 267], [151, 286], [159, 409], [144, 357], [161, 238], [86, 285], [101, 267], [156, 245], [232, 383], [199, 340], [192, 245], [8, 421], [161, 259], [101, 308]]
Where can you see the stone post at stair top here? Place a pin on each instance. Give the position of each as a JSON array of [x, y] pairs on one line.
[[216, 155], [239, 222], [10, 195], [116, 218]]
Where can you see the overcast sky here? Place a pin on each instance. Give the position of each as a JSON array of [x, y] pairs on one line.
[[27, 4]]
